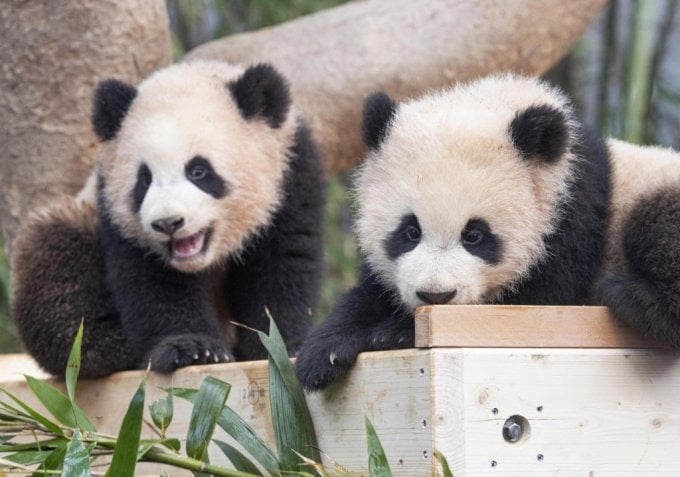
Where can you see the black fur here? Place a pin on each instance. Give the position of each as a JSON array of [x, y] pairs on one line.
[[261, 92], [575, 249], [141, 187], [647, 296], [208, 180], [540, 131], [363, 319], [281, 269], [367, 319], [399, 242], [489, 248], [112, 100], [379, 109]]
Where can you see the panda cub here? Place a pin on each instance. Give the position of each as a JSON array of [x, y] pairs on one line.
[[489, 192], [208, 211]]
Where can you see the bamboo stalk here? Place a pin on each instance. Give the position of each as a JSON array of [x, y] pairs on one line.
[[639, 71]]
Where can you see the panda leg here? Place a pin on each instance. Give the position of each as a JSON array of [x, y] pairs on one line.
[[648, 296], [58, 280]]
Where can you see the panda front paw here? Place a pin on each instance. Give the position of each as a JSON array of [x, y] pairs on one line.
[[389, 335], [178, 351], [320, 363]]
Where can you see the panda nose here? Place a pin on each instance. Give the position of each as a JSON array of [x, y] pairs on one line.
[[438, 298], [168, 225]]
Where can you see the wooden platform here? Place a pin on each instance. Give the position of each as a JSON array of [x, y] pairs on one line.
[[604, 411]]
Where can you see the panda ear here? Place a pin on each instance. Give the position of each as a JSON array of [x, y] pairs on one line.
[[112, 100], [540, 131], [261, 92], [379, 109]]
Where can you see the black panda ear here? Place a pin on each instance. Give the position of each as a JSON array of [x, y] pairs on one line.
[[262, 92], [379, 109], [540, 131], [112, 100]]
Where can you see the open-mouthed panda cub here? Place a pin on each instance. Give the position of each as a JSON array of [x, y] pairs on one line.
[[209, 209], [488, 192]]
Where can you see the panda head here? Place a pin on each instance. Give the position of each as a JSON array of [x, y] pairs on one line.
[[461, 188], [193, 159]]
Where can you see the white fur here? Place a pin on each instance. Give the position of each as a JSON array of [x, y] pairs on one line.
[[180, 112], [449, 158]]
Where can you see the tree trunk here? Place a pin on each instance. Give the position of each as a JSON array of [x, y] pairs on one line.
[[54, 54], [336, 57]]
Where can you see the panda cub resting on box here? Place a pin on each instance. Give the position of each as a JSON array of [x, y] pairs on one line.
[[489, 192], [209, 209]]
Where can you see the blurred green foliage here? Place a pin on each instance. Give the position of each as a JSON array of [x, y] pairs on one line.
[[8, 340]]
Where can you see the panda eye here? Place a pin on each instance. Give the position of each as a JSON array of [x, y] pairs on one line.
[[197, 172], [472, 237], [412, 233]]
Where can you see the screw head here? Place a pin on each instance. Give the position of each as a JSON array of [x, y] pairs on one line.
[[494, 463], [539, 457], [494, 411]]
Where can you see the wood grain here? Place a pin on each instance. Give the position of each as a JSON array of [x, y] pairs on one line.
[[502, 326]]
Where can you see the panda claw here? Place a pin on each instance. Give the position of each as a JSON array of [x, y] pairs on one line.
[[207, 353], [226, 357], [217, 359], [195, 356]]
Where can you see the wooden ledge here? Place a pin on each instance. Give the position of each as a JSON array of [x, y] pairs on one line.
[[503, 326]]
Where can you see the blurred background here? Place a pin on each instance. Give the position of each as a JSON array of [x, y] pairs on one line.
[[623, 75]]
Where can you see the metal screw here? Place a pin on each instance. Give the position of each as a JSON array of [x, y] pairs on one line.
[[494, 411], [494, 463], [539, 408], [539, 457], [512, 431]]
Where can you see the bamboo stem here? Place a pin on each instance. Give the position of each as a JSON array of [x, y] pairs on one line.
[[191, 464]]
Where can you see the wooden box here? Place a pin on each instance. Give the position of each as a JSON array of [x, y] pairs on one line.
[[595, 409]]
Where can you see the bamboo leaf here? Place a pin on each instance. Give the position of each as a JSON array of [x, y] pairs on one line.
[[240, 431], [238, 460], [293, 425], [377, 460], [77, 459], [208, 406], [73, 364], [446, 470], [45, 422], [61, 407], [124, 458], [161, 412], [34, 445], [27, 457], [54, 461]]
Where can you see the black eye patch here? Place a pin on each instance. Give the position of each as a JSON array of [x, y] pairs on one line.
[[479, 241], [144, 179], [201, 173], [404, 238]]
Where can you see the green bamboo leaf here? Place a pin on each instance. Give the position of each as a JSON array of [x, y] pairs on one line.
[[144, 447], [446, 470], [27, 457], [54, 461], [161, 412], [240, 431], [377, 460], [34, 445], [60, 406], [45, 422], [293, 425], [208, 406], [73, 364], [124, 458], [171, 443], [238, 460], [77, 459]]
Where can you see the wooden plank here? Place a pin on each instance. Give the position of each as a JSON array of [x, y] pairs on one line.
[[498, 326], [388, 387], [592, 412], [13, 367]]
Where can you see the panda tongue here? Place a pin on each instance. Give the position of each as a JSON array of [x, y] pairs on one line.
[[188, 246]]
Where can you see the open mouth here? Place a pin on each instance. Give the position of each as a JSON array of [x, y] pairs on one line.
[[188, 247]]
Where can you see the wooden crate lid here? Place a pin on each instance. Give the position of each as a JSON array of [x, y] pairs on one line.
[[503, 326]]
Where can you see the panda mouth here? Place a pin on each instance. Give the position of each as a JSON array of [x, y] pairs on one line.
[[188, 247]]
